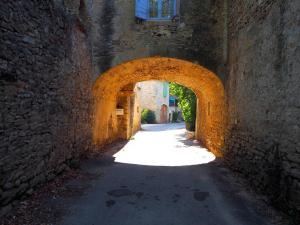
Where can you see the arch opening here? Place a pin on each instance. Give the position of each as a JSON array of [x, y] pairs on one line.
[[114, 90]]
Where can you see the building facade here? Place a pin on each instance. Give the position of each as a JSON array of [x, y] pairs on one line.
[[154, 95]]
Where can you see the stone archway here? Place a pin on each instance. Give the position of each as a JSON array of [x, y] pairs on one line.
[[206, 85]]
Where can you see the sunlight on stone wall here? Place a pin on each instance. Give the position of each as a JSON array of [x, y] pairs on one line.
[[205, 84]]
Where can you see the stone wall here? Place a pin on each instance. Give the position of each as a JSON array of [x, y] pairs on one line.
[[52, 51], [263, 97], [45, 86], [198, 37], [137, 111]]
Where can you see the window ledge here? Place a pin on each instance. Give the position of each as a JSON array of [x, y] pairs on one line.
[[158, 22]]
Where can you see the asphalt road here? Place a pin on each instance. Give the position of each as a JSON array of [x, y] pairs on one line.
[[161, 178]]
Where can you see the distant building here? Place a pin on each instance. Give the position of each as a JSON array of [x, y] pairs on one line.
[[154, 95]]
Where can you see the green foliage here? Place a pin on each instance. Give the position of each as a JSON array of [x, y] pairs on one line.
[[148, 116], [187, 103]]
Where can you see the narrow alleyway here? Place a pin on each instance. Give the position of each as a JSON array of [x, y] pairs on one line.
[[161, 178]]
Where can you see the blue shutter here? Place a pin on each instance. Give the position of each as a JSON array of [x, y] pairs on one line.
[[165, 89], [141, 9]]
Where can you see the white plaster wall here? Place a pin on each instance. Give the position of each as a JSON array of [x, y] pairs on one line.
[[151, 96]]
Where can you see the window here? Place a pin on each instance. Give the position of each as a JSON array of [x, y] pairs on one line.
[[155, 9], [172, 101]]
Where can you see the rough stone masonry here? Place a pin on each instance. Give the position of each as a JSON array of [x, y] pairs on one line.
[[263, 88], [52, 51], [45, 83]]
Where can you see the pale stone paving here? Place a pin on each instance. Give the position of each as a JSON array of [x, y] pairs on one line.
[[150, 185]]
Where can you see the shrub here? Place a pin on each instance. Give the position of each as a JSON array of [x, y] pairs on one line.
[[148, 116], [187, 103], [174, 117]]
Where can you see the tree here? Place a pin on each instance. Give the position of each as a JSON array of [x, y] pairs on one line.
[[187, 103]]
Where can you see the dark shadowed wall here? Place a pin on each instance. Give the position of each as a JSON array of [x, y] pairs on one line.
[[45, 83], [263, 89]]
